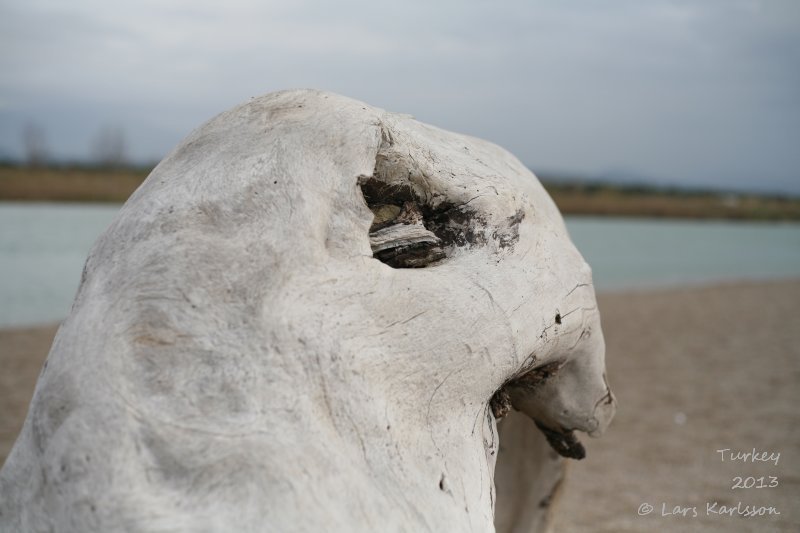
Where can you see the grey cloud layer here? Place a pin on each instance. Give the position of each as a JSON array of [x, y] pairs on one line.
[[703, 93]]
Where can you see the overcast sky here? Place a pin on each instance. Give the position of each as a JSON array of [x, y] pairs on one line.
[[703, 93]]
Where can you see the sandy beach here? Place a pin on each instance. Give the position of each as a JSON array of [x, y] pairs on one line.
[[695, 370]]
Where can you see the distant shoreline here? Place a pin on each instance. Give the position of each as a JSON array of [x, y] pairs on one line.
[[598, 199], [115, 185]]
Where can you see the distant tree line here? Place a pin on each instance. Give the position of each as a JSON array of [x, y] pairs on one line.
[[108, 147]]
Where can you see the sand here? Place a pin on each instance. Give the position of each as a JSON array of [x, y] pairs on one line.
[[695, 370], [22, 353]]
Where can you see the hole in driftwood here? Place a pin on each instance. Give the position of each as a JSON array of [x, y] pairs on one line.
[[562, 441], [399, 235], [410, 231], [399, 238]]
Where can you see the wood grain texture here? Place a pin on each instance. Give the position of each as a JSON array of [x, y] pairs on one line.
[[237, 360]]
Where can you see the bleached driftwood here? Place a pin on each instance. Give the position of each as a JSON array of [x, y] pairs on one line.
[[249, 351]]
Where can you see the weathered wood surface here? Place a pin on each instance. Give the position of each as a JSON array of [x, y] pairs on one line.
[[238, 359]]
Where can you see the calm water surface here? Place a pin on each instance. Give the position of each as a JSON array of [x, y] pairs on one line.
[[633, 253], [43, 248]]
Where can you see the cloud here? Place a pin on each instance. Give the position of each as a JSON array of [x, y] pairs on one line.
[[693, 91]]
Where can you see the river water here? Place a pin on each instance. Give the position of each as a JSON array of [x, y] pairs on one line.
[[43, 248]]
